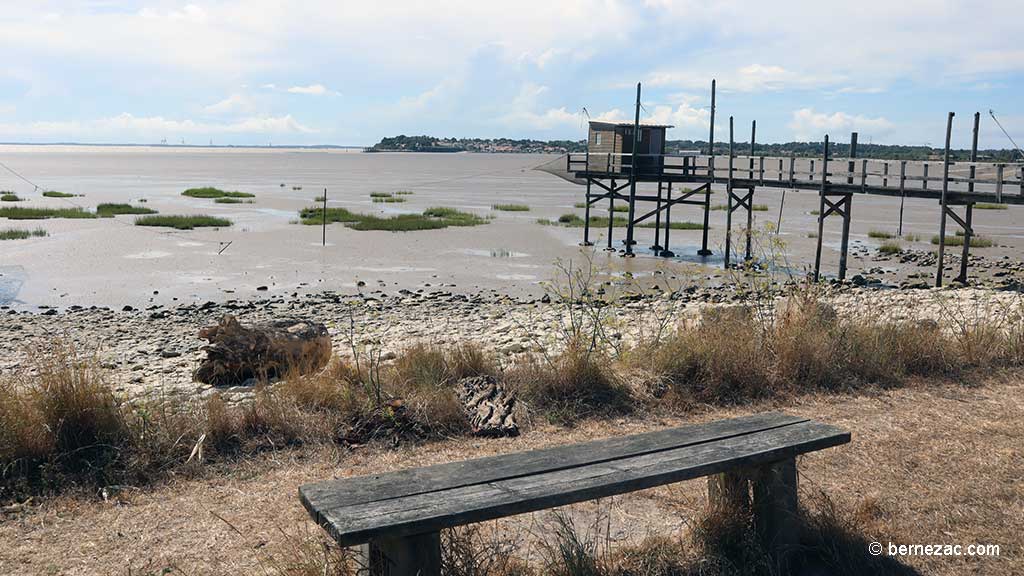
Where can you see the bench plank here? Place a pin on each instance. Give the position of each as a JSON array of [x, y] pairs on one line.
[[361, 489], [429, 512]]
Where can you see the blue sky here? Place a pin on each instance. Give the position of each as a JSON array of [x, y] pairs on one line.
[[346, 72]]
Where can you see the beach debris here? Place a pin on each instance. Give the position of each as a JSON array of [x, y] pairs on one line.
[[489, 407], [238, 353]]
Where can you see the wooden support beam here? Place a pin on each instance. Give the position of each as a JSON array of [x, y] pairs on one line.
[[968, 234], [853, 154], [821, 211], [903, 192], [611, 217], [845, 248], [728, 200], [657, 222], [776, 511], [586, 216], [667, 250], [945, 189], [418, 555], [704, 251], [729, 492], [632, 175]]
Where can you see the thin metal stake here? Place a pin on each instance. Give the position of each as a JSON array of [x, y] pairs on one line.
[[945, 189], [323, 239]]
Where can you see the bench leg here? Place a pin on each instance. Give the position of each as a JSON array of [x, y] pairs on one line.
[[418, 555], [776, 514], [730, 490]]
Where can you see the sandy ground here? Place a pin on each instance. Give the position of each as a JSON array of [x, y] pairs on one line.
[[939, 463]]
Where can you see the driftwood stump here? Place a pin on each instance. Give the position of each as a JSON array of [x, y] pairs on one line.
[[489, 407], [237, 353]]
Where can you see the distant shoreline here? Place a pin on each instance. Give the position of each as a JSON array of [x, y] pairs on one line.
[[215, 146]]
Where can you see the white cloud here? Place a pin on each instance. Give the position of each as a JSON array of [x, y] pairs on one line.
[[748, 78], [810, 125], [233, 104], [125, 127], [311, 90]]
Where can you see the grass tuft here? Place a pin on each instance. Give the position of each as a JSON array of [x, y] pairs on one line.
[[231, 200], [510, 207], [111, 210], [958, 240], [10, 197], [20, 234], [211, 192], [890, 247], [183, 222], [881, 234], [990, 206], [26, 213], [55, 194]]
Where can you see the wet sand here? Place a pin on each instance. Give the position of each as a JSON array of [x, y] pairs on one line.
[[111, 262]]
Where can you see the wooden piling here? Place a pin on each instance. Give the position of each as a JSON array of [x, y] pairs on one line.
[[728, 200], [711, 177], [632, 175], [821, 211], [945, 190]]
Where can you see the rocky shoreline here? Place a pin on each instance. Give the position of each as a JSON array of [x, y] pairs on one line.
[[153, 352]]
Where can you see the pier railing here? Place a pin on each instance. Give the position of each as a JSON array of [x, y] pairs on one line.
[[995, 181]]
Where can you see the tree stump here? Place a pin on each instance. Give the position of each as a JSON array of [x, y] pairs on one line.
[[489, 407], [237, 353]]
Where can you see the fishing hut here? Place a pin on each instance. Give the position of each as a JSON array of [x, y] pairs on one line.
[[627, 163]]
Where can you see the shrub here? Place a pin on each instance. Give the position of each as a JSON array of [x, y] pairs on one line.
[[9, 197]]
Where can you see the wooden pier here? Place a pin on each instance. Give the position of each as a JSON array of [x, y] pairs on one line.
[[687, 179]]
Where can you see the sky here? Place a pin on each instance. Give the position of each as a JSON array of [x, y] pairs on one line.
[[350, 72]]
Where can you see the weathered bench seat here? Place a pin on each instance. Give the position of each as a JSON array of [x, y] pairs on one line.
[[400, 513]]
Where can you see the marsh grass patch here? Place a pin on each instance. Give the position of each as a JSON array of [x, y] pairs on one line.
[[211, 192], [30, 213], [22, 234], [110, 210], [183, 221]]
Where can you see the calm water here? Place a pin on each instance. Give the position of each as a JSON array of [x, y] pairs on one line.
[[113, 262]]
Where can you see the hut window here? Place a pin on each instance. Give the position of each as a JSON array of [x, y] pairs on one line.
[[597, 139]]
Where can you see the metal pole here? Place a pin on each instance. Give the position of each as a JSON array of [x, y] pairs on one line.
[[711, 177], [945, 189], [632, 175], [323, 228], [903, 191], [750, 195], [753, 134], [728, 201], [821, 212], [611, 215], [853, 154]]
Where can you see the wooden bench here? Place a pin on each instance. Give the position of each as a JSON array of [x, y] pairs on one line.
[[400, 514]]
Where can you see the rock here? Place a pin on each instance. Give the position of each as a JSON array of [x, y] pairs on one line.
[[167, 353], [237, 353], [489, 407]]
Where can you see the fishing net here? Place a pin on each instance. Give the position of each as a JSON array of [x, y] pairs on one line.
[[559, 167]]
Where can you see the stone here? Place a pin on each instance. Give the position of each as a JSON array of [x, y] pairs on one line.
[[489, 407]]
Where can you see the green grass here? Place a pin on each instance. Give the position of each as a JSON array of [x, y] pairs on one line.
[[404, 193], [890, 247], [990, 206], [616, 208], [388, 200], [24, 213], [757, 207], [10, 197], [319, 199], [430, 219], [55, 194], [111, 210], [231, 200], [211, 192], [19, 234], [510, 207], [911, 237], [183, 222], [881, 234], [381, 195], [315, 215], [677, 225], [958, 240]]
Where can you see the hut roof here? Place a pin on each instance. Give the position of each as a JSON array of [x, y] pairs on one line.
[[605, 124]]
